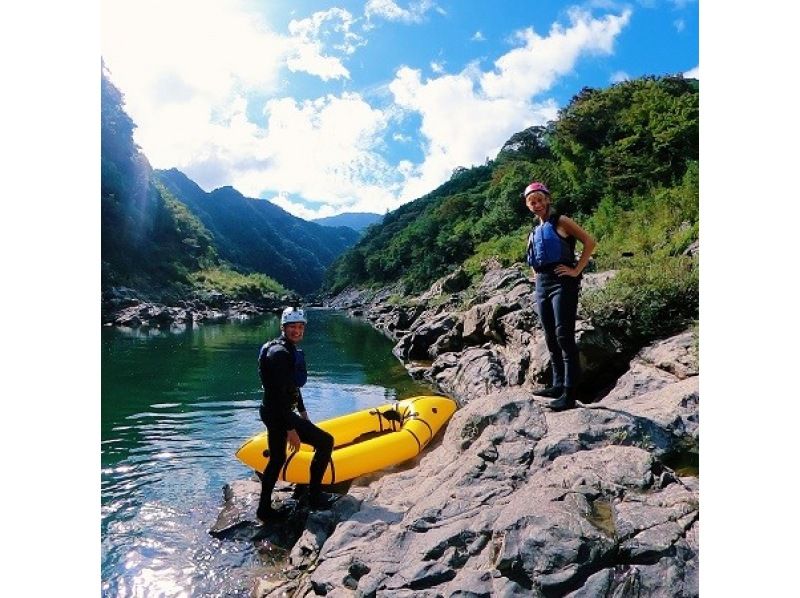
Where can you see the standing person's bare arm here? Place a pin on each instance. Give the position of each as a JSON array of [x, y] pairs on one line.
[[567, 226]]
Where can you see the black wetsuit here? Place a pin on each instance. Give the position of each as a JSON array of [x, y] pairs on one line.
[[557, 304], [276, 366]]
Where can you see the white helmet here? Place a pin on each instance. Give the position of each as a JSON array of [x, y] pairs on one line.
[[291, 315]]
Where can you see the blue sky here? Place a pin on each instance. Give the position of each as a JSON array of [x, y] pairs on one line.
[[363, 105]]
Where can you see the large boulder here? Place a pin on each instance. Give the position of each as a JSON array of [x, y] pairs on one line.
[[648, 407], [455, 282], [476, 372], [347, 299], [117, 298], [422, 336]]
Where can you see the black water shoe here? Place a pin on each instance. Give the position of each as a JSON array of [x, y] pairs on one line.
[[564, 402], [267, 514], [551, 392]]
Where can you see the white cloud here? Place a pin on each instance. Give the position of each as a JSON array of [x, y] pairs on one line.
[[307, 47], [325, 151], [308, 59], [467, 117], [461, 126], [478, 37], [391, 11], [298, 209], [534, 67], [179, 62], [679, 24], [693, 73], [619, 76], [208, 152], [317, 25], [437, 67]]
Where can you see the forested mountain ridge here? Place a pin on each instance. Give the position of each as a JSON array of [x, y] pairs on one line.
[[161, 233], [259, 236], [622, 161], [148, 239]]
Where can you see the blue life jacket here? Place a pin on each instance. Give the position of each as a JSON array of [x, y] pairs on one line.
[[546, 248], [300, 372]]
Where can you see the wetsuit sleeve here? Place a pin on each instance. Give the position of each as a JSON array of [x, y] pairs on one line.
[[262, 366], [300, 406]]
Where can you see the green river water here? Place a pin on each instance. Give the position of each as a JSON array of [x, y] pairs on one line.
[[175, 407]]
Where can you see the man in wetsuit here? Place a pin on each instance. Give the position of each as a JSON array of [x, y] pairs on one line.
[[283, 371]]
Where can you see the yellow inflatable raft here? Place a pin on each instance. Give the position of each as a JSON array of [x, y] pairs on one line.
[[364, 441]]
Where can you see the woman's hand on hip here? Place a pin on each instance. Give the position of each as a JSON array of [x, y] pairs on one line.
[[563, 270], [294, 439]]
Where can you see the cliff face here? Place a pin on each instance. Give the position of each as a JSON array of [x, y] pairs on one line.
[[517, 500]]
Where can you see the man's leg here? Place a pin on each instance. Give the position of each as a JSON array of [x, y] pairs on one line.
[[277, 457], [323, 447]]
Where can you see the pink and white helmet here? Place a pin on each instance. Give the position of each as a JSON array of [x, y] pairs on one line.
[[536, 186]]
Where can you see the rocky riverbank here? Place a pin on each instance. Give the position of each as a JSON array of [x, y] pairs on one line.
[[514, 500], [126, 307]]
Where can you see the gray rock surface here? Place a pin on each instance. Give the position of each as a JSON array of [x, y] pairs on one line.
[[516, 500], [500, 310]]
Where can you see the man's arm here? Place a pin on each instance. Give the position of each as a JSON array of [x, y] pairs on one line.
[[301, 408]]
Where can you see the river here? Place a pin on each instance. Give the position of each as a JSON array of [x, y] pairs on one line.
[[175, 407]]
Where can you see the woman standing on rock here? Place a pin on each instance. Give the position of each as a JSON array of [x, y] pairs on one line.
[[551, 254]]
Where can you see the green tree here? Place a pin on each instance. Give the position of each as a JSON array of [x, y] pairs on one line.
[[627, 138]]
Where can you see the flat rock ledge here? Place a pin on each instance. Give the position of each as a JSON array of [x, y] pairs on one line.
[[512, 499]]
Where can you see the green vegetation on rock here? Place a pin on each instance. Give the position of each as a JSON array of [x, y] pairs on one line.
[[659, 224], [649, 298], [236, 285]]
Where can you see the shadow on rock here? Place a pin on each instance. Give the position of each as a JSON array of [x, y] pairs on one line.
[[293, 518]]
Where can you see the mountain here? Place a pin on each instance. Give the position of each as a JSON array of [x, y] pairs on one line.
[[358, 221], [148, 240], [258, 236], [159, 229]]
